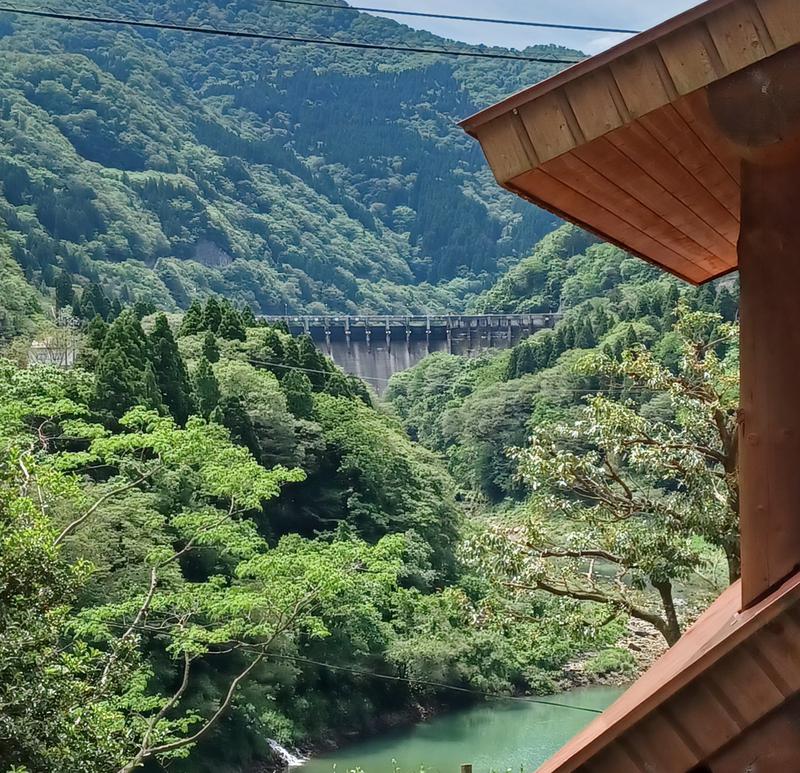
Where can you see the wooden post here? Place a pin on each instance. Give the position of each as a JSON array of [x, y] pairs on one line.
[[466, 768], [758, 109], [769, 436]]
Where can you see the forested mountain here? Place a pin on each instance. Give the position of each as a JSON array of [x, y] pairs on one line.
[[166, 165]]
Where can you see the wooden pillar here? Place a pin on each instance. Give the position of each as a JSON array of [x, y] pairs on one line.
[[758, 110], [769, 428]]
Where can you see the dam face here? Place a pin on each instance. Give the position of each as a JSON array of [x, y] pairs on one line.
[[375, 348]]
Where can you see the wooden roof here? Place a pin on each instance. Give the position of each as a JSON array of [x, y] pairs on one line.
[[624, 145], [728, 672]]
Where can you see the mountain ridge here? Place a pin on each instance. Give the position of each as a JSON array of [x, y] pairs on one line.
[[284, 177]]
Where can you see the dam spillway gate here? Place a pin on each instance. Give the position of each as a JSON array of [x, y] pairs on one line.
[[375, 347]]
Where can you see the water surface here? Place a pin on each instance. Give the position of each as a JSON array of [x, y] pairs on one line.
[[498, 736]]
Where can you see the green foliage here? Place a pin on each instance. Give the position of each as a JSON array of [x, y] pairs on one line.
[[206, 388], [170, 371], [297, 387], [125, 374], [210, 348], [611, 662], [20, 306], [645, 495], [394, 486], [164, 165]]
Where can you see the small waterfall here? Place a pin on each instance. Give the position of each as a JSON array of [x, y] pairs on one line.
[[291, 760]]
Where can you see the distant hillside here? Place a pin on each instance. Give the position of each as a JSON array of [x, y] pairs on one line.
[[167, 165]]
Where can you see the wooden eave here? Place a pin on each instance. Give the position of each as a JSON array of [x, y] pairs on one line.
[[727, 673], [623, 144]]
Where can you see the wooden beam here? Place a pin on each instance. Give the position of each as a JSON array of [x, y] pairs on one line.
[[769, 472]]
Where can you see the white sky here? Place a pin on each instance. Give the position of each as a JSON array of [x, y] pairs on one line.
[[627, 14]]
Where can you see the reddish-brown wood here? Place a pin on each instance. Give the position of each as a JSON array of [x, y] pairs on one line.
[[771, 746], [708, 689], [769, 270]]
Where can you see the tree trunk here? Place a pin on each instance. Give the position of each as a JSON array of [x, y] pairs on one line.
[[734, 562], [672, 628]]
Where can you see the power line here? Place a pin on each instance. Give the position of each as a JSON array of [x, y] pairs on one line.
[[429, 683], [242, 647], [251, 35], [452, 17], [571, 390]]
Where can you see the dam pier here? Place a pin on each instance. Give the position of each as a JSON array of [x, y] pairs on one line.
[[374, 347]]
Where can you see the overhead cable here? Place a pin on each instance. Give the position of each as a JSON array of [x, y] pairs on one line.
[[275, 37], [454, 17]]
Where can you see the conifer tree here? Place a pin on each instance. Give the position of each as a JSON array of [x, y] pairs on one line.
[[93, 343], [151, 394], [116, 309], [631, 338], [212, 315], [726, 304], [272, 341], [65, 294], [569, 335], [193, 320], [513, 364], [291, 354], [210, 348], [124, 376], [526, 362], [248, 318], [230, 326], [337, 385], [142, 309], [170, 371], [584, 338], [297, 389], [206, 388], [559, 344], [545, 344], [94, 301], [230, 412], [313, 361]]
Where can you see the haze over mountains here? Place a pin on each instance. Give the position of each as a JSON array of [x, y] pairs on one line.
[[305, 178]]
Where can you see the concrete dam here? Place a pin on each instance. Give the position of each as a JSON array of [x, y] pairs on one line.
[[376, 347]]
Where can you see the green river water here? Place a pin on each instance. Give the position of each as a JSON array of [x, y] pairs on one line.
[[499, 736]]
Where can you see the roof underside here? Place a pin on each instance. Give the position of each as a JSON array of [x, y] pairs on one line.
[[624, 144], [728, 672]]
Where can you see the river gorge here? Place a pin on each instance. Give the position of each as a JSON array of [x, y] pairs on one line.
[[500, 736]]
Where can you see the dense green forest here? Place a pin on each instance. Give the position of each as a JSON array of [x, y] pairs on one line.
[[610, 439], [211, 537], [167, 166]]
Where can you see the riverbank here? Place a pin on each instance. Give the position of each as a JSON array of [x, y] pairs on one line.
[[641, 642], [501, 735]]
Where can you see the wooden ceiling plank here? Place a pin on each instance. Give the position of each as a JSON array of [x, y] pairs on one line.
[[642, 148], [699, 713], [548, 127], [573, 171], [661, 745], [694, 110], [605, 157], [736, 35], [745, 685], [778, 660], [643, 82], [597, 104], [543, 187], [690, 58], [506, 153], [670, 129], [615, 758], [782, 19]]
